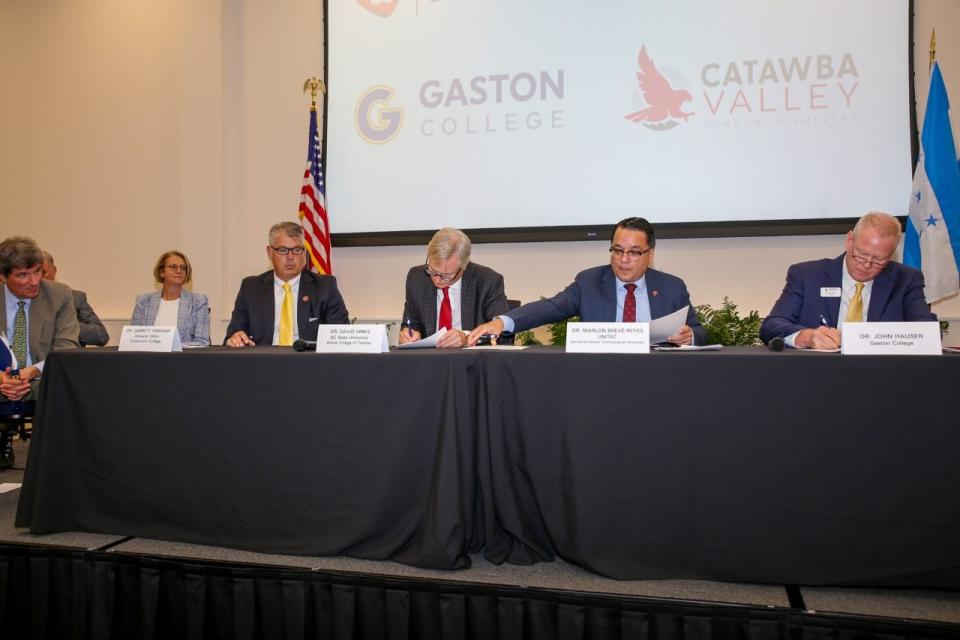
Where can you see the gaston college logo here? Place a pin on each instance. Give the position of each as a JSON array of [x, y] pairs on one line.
[[376, 121], [382, 8], [662, 104]]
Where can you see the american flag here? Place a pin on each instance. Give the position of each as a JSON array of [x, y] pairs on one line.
[[313, 207]]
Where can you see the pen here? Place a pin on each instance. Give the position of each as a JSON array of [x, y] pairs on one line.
[[409, 327], [823, 321]]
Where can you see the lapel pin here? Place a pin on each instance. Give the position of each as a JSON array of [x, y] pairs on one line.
[[306, 298], [655, 292]]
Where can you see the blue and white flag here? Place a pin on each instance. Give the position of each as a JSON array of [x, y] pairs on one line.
[[932, 243]]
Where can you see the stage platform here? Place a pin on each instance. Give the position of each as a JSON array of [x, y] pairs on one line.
[[98, 586]]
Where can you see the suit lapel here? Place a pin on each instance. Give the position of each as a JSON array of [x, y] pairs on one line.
[[304, 303], [467, 299], [608, 295], [879, 295], [3, 310], [653, 295], [833, 278], [183, 309], [40, 311], [266, 309], [429, 304]]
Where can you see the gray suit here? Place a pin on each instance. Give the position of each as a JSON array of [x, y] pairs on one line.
[[481, 299], [52, 321], [193, 316], [92, 330]]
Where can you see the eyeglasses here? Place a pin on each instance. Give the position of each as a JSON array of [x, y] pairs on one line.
[[176, 267], [285, 250], [442, 277], [631, 254], [868, 261]]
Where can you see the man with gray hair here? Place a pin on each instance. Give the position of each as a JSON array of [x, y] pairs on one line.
[[285, 304], [449, 291], [863, 284], [36, 317], [92, 330]]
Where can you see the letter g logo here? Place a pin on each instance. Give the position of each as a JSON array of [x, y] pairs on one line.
[[376, 122]]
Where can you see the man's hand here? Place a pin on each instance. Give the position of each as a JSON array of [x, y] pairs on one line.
[[683, 336], [15, 388], [408, 335], [452, 339], [240, 339], [493, 328], [820, 338]]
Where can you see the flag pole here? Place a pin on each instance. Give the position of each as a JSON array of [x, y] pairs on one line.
[[317, 86], [933, 49]]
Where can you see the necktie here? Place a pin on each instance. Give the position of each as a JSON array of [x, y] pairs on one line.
[[446, 312], [630, 304], [286, 317], [855, 310], [20, 334]]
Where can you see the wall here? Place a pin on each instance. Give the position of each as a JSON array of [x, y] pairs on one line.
[[131, 128]]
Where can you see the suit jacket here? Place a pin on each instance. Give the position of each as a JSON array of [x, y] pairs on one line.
[[897, 294], [481, 298], [593, 296], [92, 330], [193, 316], [319, 302], [52, 320]]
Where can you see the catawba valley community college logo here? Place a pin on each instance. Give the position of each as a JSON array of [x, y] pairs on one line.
[[661, 103]]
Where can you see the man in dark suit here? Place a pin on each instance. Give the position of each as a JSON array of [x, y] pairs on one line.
[[287, 303], [36, 316], [449, 291], [92, 330], [626, 290], [862, 285]]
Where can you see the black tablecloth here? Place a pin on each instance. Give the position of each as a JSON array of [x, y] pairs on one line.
[[739, 465], [744, 465], [265, 449]]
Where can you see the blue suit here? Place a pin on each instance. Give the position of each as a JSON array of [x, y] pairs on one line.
[[593, 296], [896, 295]]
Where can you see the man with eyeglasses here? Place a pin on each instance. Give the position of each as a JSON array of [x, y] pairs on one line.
[[287, 303], [36, 317], [863, 284], [626, 290], [450, 292]]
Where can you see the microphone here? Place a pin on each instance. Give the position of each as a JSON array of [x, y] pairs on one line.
[[775, 344], [311, 345]]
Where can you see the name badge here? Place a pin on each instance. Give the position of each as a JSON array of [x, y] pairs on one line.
[[159, 339], [829, 292], [352, 338], [890, 338], [608, 337]]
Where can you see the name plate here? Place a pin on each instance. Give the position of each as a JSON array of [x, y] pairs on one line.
[[159, 339], [352, 338], [890, 338], [608, 337]]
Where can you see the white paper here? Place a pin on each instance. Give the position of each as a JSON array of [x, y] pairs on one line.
[[690, 347], [160, 339], [668, 325], [430, 342], [352, 338], [6, 487], [499, 347], [891, 338]]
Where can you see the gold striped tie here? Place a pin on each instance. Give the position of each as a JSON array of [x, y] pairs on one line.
[[855, 310], [286, 317]]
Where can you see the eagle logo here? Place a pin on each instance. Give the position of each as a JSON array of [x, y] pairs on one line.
[[663, 108]]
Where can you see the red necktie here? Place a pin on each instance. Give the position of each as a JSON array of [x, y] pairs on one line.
[[630, 304], [446, 312]]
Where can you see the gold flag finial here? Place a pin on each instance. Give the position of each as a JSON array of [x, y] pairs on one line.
[[933, 48], [314, 85]]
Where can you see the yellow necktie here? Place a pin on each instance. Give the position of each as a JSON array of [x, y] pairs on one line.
[[855, 310], [286, 317]]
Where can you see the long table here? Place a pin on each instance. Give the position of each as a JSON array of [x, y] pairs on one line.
[[739, 465]]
